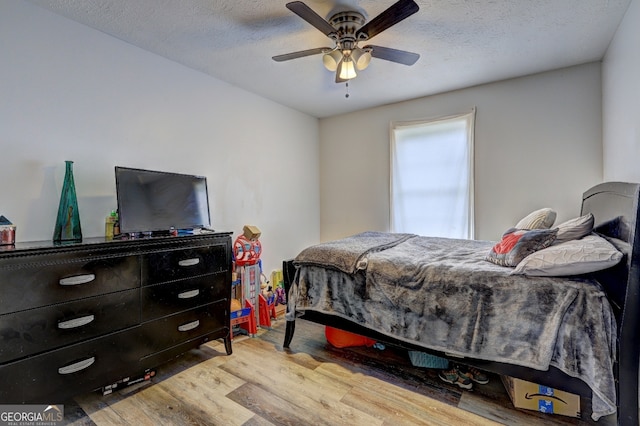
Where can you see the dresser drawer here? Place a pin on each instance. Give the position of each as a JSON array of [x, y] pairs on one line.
[[167, 298], [32, 285], [172, 330], [177, 264], [56, 376], [29, 332]]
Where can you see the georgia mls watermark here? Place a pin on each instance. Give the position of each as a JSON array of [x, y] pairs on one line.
[[31, 415]]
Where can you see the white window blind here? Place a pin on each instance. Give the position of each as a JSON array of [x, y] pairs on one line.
[[432, 176]]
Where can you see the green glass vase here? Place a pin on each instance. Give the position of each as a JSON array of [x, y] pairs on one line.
[[68, 220]]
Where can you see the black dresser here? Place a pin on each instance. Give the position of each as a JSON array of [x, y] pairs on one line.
[[78, 317]]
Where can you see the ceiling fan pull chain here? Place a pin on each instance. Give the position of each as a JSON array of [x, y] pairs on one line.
[[347, 94]]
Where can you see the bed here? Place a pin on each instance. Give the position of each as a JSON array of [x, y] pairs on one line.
[[577, 332]]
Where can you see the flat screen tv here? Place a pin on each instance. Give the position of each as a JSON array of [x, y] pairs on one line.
[[153, 201]]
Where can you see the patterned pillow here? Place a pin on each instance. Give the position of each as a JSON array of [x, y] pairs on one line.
[[539, 219], [589, 254], [574, 229], [516, 244]]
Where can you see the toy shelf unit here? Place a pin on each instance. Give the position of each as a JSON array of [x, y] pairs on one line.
[[242, 308], [252, 309]]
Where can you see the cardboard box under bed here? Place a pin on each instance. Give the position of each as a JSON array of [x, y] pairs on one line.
[[532, 396]]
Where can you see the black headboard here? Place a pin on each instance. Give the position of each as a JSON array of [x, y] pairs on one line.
[[615, 208]]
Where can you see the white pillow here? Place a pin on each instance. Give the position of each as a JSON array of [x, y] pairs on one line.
[[575, 228], [589, 254], [539, 219]]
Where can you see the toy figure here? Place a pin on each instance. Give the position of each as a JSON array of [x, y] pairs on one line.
[[281, 298]]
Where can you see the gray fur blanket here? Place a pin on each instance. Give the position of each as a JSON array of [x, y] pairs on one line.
[[349, 254], [441, 294]]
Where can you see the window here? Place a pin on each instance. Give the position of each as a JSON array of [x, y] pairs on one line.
[[432, 176]]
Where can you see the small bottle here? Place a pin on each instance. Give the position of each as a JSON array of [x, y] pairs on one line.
[[116, 224], [109, 225]]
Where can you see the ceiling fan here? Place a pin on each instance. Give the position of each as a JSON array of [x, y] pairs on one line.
[[348, 29]]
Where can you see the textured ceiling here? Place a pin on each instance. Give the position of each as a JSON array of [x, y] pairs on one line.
[[461, 43]]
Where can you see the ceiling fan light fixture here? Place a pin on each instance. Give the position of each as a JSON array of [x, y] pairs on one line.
[[361, 58], [346, 69], [332, 59], [346, 29]]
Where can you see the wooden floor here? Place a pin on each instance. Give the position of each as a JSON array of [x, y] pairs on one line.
[[310, 384]]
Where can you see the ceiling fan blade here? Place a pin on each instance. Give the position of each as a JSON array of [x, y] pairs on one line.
[[393, 55], [300, 54], [306, 13], [394, 14]]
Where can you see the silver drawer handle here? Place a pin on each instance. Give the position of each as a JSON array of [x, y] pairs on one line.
[[76, 322], [78, 279], [189, 326], [189, 262], [80, 365], [188, 294]]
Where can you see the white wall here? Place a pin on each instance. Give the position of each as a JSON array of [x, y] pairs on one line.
[[72, 93], [537, 144], [621, 100]]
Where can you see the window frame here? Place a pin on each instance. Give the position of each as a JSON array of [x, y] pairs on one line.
[[469, 118]]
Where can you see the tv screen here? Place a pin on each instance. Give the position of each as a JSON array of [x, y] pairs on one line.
[[151, 201]]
